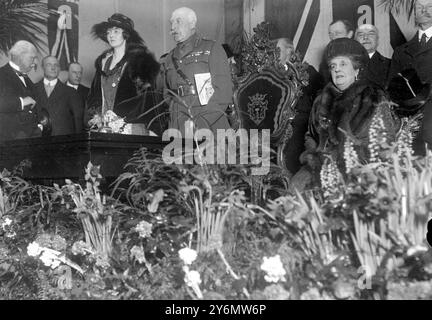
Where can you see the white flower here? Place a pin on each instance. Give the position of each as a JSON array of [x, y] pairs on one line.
[[188, 255], [138, 253], [192, 278], [274, 269], [50, 259], [110, 116], [7, 222], [81, 247], [117, 125], [11, 234], [33, 249], [415, 249], [144, 229]]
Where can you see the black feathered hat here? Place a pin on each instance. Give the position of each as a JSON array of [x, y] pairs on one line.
[[407, 90], [120, 21], [347, 47]]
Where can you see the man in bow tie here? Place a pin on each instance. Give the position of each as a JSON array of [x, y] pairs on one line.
[[17, 117], [59, 106], [417, 54]]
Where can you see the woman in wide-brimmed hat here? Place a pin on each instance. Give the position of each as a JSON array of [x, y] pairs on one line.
[[343, 110], [123, 72]]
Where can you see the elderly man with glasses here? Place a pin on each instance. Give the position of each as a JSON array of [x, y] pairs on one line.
[[378, 66]]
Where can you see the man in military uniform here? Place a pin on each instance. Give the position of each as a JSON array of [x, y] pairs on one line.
[[195, 76]]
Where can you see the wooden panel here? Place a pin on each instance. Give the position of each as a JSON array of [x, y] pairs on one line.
[[59, 157]]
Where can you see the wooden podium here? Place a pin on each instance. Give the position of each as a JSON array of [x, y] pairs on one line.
[[56, 158]]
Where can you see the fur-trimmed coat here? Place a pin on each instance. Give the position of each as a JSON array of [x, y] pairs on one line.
[[141, 68], [336, 114]]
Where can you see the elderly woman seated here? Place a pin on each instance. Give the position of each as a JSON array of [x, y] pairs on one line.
[[345, 107]]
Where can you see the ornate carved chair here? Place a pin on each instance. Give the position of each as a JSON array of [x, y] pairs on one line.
[[267, 91]]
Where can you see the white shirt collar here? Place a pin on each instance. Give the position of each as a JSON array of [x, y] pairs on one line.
[[75, 86], [14, 66], [371, 54], [428, 32], [51, 83]]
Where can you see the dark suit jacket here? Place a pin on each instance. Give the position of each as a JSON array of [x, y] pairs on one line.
[[64, 106], [411, 55], [15, 123], [316, 83], [83, 92], [378, 70]]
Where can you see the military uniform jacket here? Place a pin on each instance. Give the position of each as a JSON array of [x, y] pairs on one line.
[[193, 56]]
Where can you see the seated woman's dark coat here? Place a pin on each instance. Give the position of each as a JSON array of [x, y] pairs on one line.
[[337, 114]]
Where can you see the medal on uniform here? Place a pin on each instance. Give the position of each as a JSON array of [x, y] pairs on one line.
[[113, 85]]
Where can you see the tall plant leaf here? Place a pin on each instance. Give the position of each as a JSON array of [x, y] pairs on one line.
[[399, 6], [22, 20]]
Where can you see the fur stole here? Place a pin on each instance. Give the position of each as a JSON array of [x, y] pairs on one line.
[[350, 110], [141, 63]]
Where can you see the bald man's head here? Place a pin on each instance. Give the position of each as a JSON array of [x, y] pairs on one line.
[[24, 55], [183, 24]]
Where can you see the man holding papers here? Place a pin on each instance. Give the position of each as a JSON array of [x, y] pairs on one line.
[[195, 76]]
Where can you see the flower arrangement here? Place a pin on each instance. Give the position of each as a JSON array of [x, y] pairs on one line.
[[300, 246], [110, 122], [274, 269], [50, 258], [192, 277]]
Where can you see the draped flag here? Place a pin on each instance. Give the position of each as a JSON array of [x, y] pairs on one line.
[[307, 21], [63, 31]]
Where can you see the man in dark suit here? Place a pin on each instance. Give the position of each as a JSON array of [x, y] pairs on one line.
[[417, 54], [378, 66], [17, 117], [74, 80], [61, 103]]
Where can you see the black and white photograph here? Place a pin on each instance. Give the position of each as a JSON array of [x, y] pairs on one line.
[[186, 151]]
